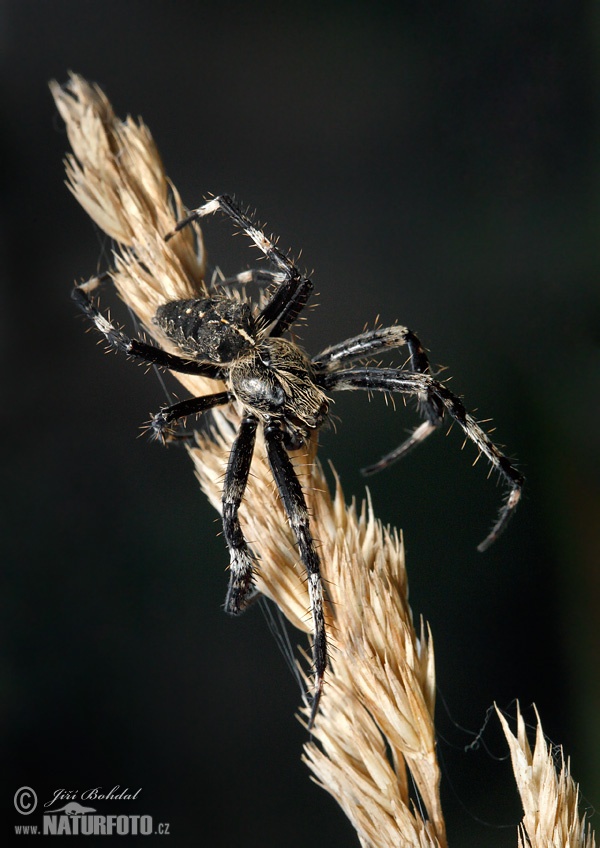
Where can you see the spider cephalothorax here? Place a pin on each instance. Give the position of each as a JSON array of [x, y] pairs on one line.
[[275, 379], [277, 386]]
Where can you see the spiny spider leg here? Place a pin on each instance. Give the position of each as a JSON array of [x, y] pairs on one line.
[[418, 435], [372, 343], [375, 342], [291, 295], [287, 312], [134, 347], [159, 425], [224, 203], [407, 383], [242, 591], [296, 510], [250, 277], [286, 304]]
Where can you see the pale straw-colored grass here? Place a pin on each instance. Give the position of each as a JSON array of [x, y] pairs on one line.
[[374, 736], [549, 795]]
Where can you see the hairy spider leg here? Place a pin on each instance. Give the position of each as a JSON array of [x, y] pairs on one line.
[[294, 503], [134, 347], [408, 383], [241, 591], [373, 343], [285, 306], [252, 276], [293, 291], [159, 424]]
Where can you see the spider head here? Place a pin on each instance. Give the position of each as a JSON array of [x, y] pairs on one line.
[[214, 329]]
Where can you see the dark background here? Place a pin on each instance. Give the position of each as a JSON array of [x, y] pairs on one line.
[[436, 164]]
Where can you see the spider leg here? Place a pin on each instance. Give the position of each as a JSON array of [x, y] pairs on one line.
[[373, 343], [408, 383], [242, 591], [159, 425], [252, 276], [418, 435], [134, 347], [285, 305], [292, 294], [294, 503], [258, 276]]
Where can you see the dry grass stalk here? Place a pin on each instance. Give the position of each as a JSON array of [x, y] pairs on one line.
[[375, 725], [549, 795], [376, 719]]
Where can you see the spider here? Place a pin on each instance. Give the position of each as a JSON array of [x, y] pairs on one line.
[[282, 390]]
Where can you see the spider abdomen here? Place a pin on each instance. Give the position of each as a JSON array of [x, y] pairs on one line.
[[213, 329]]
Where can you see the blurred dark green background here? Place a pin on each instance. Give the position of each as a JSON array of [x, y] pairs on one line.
[[436, 164]]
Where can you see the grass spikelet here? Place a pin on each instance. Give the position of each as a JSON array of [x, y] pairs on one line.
[[549, 795]]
